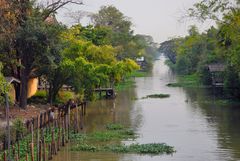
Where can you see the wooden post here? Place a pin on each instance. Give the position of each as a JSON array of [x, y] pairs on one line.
[[77, 125], [26, 156], [44, 151], [16, 159], [84, 112], [32, 131], [58, 140], [32, 143], [38, 138], [66, 128], [40, 151], [13, 150], [32, 151], [63, 138], [5, 156], [81, 116], [53, 146], [49, 152], [69, 120], [18, 152]]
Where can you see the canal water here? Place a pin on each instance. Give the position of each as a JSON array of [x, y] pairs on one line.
[[191, 120]]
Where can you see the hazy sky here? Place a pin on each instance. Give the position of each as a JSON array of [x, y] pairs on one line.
[[158, 18]]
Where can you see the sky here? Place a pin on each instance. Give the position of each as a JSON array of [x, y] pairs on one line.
[[159, 18]]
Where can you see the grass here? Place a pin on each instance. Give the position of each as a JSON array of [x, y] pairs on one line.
[[192, 80], [128, 83], [156, 96], [138, 74], [221, 102], [110, 141]]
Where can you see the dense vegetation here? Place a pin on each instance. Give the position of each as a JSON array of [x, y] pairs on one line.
[[110, 141], [192, 54], [34, 45]]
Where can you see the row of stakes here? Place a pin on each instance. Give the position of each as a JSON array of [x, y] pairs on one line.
[[45, 151]]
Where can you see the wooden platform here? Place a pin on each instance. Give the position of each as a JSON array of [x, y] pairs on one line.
[[110, 93]]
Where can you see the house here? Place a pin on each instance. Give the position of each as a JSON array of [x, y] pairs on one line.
[[216, 71], [13, 82], [141, 62]]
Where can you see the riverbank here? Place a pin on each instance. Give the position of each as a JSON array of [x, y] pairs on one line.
[[129, 82], [187, 81]]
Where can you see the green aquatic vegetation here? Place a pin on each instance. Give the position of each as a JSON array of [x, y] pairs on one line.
[[174, 85], [114, 127], [156, 96], [85, 147], [111, 135], [77, 137], [102, 141], [154, 148]]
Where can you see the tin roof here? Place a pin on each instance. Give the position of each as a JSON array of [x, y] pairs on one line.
[[216, 67], [12, 79]]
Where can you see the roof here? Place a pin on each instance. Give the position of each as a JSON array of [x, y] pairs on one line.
[[216, 67], [12, 79]]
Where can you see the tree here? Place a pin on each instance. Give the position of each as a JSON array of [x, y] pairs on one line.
[[51, 7], [26, 38], [2, 84], [211, 9], [34, 40], [110, 16]]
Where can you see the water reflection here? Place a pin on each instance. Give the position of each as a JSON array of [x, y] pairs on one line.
[[198, 131]]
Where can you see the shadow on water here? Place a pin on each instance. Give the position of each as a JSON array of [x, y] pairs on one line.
[[199, 131]]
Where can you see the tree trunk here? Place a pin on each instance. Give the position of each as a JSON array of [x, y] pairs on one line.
[[24, 88], [52, 93]]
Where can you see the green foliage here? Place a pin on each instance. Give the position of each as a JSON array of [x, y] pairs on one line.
[[39, 97], [65, 96], [19, 128], [156, 96], [110, 16], [3, 86]]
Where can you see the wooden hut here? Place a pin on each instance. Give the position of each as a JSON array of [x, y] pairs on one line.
[[216, 71], [13, 83]]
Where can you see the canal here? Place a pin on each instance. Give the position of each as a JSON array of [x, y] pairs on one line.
[[190, 120]]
